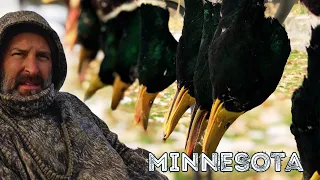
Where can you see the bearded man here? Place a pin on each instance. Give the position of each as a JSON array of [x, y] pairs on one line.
[[44, 133]]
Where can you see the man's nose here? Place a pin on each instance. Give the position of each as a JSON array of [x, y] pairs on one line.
[[31, 65]]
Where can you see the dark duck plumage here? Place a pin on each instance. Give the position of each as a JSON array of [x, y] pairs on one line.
[[88, 36], [81, 27], [110, 37], [306, 111], [127, 54], [201, 79], [88, 28], [187, 53], [313, 6], [156, 63], [123, 32], [246, 64], [91, 36], [121, 43]]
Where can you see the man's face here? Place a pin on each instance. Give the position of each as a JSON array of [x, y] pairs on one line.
[[27, 65]]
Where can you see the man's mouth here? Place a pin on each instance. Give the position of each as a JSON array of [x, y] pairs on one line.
[[30, 86]]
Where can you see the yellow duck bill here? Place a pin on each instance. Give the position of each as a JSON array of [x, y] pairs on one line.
[[48, 1], [196, 129], [85, 58], [119, 88], [95, 85], [181, 102], [315, 176], [143, 106], [219, 121]]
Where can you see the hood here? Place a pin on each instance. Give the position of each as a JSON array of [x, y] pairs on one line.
[[29, 19]]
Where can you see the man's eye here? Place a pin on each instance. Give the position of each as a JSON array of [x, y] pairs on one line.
[[17, 54], [44, 56]]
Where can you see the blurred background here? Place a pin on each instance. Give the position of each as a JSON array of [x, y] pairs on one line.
[[266, 128]]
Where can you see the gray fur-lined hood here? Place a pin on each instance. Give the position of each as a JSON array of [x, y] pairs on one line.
[[31, 19]]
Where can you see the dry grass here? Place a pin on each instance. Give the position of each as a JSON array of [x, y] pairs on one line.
[[271, 9], [295, 70], [175, 22]]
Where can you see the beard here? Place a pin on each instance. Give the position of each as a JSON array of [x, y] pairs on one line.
[[10, 85]]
